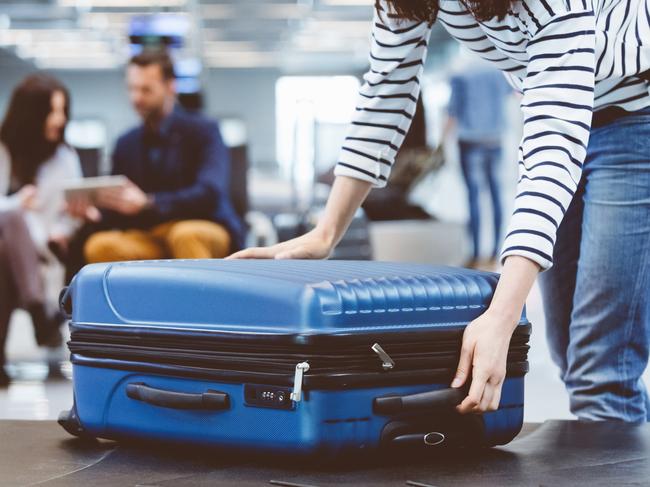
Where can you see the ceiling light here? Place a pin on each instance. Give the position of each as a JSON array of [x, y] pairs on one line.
[[121, 3], [348, 3]]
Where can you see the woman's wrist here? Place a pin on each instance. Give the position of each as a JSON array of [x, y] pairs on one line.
[[327, 234], [345, 198], [507, 307], [508, 317], [515, 283]]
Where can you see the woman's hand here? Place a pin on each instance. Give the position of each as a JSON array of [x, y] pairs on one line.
[[486, 340], [312, 245], [345, 198], [483, 354]]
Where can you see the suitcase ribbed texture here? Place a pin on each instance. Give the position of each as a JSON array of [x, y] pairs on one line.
[[281, 296]]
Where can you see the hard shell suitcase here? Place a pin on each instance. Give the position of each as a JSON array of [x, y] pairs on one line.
[[282, 356]]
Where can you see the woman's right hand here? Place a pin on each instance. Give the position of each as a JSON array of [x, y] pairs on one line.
[[312, 245]]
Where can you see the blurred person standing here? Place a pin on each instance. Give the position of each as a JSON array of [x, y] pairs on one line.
[[476, 113], [34, 161], [177, 202]]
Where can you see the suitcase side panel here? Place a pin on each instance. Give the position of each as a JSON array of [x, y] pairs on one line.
[[326, 421]]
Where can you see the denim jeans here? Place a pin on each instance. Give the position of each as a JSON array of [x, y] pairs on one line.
[[597, 294], [479, 162]]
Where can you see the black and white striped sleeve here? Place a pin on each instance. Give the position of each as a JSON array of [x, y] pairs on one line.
[[557, 108], [386, 101]]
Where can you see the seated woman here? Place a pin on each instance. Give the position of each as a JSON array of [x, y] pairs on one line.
[[34, 161]]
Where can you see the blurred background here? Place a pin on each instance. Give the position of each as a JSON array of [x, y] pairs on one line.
[[281, 77]]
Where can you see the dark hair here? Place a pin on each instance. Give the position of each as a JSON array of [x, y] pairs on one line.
[[23, 128], [158, 57], [427, 10]]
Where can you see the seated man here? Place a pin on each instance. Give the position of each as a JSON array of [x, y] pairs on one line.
[[176, 204]]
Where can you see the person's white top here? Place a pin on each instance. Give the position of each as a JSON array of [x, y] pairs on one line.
[[49, 217], [567, 57]]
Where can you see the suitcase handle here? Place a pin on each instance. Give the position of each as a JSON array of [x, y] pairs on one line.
[[65, 302], [424, 401], [210, 400]]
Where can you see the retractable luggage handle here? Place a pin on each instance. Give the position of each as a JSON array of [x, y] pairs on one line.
[[443, 399], [208, 400]]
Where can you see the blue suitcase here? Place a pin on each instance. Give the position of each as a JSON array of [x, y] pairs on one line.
[[283, 356]]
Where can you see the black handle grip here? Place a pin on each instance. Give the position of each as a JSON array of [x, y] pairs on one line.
[[443, 399], [65, 302], [210, 400]]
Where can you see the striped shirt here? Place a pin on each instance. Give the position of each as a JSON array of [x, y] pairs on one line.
[[567, 57]]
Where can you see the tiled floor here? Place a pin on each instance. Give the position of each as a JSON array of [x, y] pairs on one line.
[[32, 396]]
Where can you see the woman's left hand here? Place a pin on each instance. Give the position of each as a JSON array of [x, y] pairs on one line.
[[484, 354]]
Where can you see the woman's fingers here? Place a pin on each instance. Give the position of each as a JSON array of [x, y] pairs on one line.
[[308, 246], [484, 403], [242, 254], [475, 394], [254, 253], [496, 398], [483, 397], [262, 252], [464, 365]]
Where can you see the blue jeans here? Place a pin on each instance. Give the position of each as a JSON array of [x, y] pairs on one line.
[[597, 294], [479, 162]]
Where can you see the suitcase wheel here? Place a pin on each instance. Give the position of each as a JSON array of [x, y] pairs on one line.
[[441, 431], [69, 421]]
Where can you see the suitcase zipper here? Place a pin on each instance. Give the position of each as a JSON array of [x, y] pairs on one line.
[[353, 362], [387, 362], [301, 368], [198, 339], [175, 351], [109, 341], [321, 380]]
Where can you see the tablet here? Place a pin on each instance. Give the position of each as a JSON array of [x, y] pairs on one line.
[[87, 187]]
